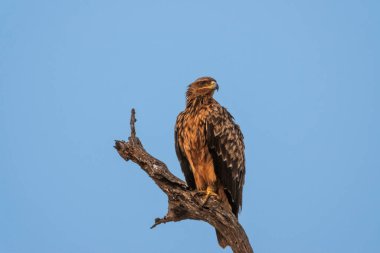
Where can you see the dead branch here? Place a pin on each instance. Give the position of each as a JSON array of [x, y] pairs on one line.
[[183, 203]]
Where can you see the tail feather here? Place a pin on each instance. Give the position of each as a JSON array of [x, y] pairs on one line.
[[222, 195], [221, 240]]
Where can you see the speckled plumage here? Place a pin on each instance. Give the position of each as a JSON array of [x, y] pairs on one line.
[[209, 145]]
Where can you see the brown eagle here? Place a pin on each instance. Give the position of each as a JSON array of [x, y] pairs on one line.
[[210, 148]]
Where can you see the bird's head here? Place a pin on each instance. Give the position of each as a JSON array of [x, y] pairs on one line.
[[202, 87]]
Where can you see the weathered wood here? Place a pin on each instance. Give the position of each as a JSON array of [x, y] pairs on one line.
[[183, 203]]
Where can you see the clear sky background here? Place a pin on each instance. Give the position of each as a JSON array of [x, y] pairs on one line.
[[300, 77]]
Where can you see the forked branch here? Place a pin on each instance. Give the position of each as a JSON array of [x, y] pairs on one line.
[[183, 203]]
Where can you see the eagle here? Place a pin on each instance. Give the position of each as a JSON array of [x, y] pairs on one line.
[[210, 148]]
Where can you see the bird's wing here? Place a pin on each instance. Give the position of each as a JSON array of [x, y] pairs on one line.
[[225, 142], [185, 166]]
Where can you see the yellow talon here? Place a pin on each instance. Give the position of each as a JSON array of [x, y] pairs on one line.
[[209, 192]]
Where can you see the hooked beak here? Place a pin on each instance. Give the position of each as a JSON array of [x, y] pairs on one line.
[[215, 85]]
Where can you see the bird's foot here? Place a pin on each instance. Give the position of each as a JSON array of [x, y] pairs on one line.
[[209, 192]]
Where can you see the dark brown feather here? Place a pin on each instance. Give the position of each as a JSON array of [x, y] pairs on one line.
[[226, 145]]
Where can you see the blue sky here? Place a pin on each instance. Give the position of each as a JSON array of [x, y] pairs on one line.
[[300, 77]]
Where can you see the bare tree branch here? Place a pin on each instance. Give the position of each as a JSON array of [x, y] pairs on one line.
[[183, 203]]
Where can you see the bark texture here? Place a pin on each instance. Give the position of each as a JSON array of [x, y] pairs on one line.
[[183, 203]]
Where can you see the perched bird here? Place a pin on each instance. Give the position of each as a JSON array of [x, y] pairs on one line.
[[210, 147]]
